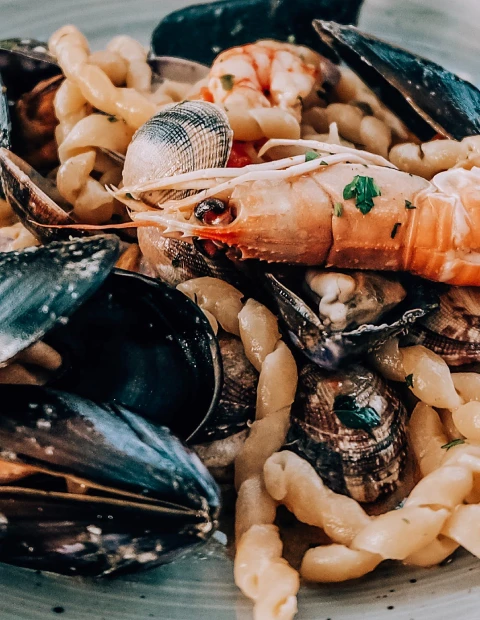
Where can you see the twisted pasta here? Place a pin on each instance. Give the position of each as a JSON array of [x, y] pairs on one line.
[[260, 571]]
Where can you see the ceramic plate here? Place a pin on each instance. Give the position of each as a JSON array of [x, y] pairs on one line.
[[200, 587]]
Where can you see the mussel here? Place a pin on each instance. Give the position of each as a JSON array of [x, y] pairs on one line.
[[355, 312], [227, 23], [351, 427], [137, 497], [429, 99], [100, 484], [122, 337]]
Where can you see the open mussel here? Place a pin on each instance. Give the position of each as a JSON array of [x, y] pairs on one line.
[[121, 337], [351, 427], [107, 491], [333, 317], [227, 23], [429, 99]]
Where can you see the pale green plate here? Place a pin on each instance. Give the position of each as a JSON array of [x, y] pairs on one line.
[[200, 587]]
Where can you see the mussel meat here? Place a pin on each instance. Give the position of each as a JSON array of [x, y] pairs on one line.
[[228, 23], [137, 497], [351, 427], [355, 312]]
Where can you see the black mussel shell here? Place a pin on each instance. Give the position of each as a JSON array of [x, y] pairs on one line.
[[43, 286], [35, 199], [236, 407], [429, 99], [139, 343], [351, 427], [224, 24], [148, 498], [331, 349], [5, 124], [23, 64]]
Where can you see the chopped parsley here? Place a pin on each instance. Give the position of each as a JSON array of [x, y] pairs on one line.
[[409, 205], [453, 443], [406, 521], [112, 119], [395, 228], [227, 81], [364, 190], [311, 155], [409, 380], [129, 196], [324, 163], [338, 209], [355, 416]]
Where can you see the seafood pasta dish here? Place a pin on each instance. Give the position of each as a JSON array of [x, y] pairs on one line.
[[241, 286]]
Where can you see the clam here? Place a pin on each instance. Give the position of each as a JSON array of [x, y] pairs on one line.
[[351, 427], [122, 338], [188, 136], [98, 482], [138, 497], [349, 314], [429, 99], [453, 332], [228, 23]]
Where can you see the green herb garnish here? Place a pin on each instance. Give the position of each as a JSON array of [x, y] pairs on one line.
[[453, 443], [364, 190], [409, 380], [129, 196], [324, 163], [112, 119], [408, 205], [311, 155], [227, 81], [352, 415], [406, 521], [338, 209], [395, 228]]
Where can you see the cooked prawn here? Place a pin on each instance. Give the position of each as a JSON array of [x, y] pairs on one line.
[[264, 74], [295, 211]]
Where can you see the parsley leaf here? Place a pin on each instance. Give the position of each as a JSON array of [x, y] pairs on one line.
[[453, 443], [352, 415], [395, 228], [324, 163], [311, 155], [129, 196], [409, 380], [409, 205], [338, 209], [227, 81], [364, 190]]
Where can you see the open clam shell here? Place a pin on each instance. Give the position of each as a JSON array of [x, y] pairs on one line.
[[148, 497], [453, 332], [229, 23], [429, 99], [351, 427], [330, 349]]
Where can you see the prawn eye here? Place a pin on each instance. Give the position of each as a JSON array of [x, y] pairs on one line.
[[213, 212]]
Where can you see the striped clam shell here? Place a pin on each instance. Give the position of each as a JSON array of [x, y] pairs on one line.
[[188, 136], [191, 135], [453, 332], [369, 465]]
